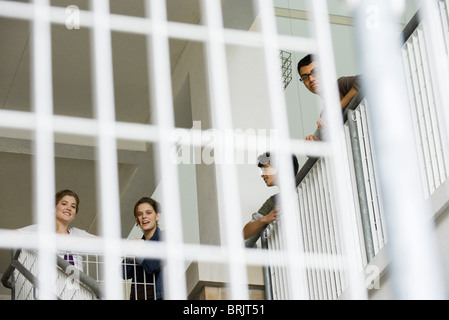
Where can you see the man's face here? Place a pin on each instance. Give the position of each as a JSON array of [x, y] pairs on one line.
[[268, 175], [308, 74]]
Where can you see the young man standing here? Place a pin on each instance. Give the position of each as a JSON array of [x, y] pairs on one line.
[[347, 86], [270, 209]]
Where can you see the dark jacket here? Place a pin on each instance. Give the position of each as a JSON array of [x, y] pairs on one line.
[[143, 271]]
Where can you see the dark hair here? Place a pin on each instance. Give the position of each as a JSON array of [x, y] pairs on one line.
[[156, 206], [61, 194], [267, 157], [308, 59]]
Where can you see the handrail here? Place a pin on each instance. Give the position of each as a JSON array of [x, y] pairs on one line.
[[16, 265], [408, 30], [9, 271], [83, 278], [302, 173]]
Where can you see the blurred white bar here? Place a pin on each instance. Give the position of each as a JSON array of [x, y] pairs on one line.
[[334, 135], [13, 121], [435, 26], [160, 79], [108, 196], [414, 264], [228, 190], [43, 160], [288, 201]]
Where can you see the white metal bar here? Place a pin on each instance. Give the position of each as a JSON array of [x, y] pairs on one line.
[[174, 277], [444, 16], [371, 187], [436, 143], [425, 89], [176, 30], [330, 278], [222, 120], [43, 161], [330, 96], [410, 235], [367, 179], [316, 232], [106, 166], [333, 226], [291, 231], [304, 239], [410, 71], [436, 19], [330, 240]]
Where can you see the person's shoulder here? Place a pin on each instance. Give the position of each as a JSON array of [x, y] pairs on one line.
[[268, 205], [80, 232]]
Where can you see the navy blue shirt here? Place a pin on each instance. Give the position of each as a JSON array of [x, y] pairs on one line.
[[142, 271]]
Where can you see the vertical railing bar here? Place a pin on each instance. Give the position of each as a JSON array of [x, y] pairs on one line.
[[313, 235], [428, 129], [378, 210], [420, 123], [313, 241], [321, 234], [411, 83], [274, 269], [107, 186], [318, 232], [304, 238], [370, 187], [424, 122], [284, 282], [321, 29], [328, 232], [368, 175], [324, 233], [267, 269], [445, 22], [277, 268], [335, 228], [43, 161], [162, 106], [361, 186], [435, 126], [439, 68]]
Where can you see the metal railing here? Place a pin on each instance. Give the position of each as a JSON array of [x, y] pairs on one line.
[[319, 223], [72, 283]]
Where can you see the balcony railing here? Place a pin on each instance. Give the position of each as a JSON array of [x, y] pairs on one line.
[[318, 220], [73, 283]]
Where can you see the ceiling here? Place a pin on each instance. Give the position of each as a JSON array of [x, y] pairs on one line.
[[75, 166]]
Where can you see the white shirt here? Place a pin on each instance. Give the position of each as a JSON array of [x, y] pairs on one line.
[[77, 258]]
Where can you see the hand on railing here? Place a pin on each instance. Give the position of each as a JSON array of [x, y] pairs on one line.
[[272, 216]]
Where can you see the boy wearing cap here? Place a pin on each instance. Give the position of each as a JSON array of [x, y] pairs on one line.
[[269, 210]]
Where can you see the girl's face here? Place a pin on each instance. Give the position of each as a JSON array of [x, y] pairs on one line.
[[146, 217], [66, 209]]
